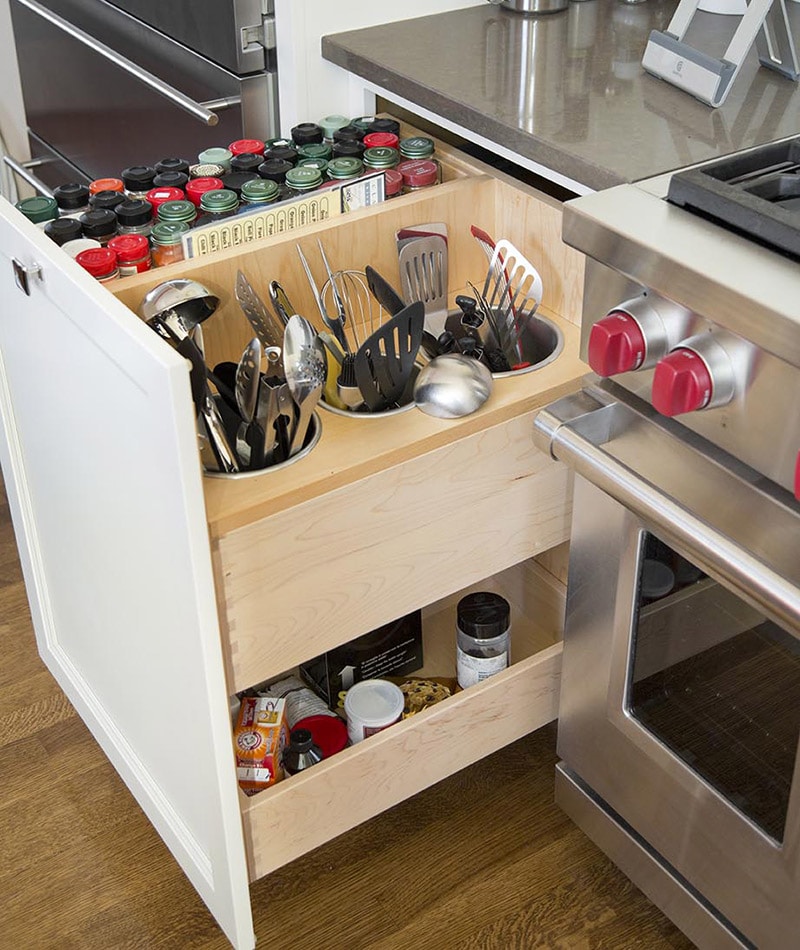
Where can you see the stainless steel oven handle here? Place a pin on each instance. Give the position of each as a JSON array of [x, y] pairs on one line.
[[26, 174], [197, 109], [573, 432]]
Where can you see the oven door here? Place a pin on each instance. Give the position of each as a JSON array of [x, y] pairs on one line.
[[680, 701]]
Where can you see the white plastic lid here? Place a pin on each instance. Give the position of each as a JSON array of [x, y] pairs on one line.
[[74, 248], [374, 702]]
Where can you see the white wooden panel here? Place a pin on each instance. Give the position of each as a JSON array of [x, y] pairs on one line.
[[102, 470]]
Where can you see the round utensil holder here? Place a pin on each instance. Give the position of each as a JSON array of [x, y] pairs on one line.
[[312, 437], [405, 403], [541, 341]]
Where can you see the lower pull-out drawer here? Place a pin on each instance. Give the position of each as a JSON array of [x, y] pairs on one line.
[[305, 810]]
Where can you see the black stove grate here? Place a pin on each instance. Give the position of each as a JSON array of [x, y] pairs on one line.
[[756, 193]]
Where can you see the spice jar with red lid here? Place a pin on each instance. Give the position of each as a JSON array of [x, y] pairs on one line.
[[418, 173], [381, 140], [158, 196], [393, 186], [197, 187], [247, 146], [133, 253], [100, 262]]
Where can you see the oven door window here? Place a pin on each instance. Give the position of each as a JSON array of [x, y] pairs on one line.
[[716, 683]]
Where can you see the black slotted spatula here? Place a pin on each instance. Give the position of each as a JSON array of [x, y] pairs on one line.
[[385, 360]]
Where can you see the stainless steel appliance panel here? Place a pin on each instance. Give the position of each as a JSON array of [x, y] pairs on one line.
[[639, 473], [101, 117]]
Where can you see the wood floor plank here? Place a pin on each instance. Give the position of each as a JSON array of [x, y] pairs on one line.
[[482, 860]]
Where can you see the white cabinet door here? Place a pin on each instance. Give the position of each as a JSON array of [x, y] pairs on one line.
[[102, 472]]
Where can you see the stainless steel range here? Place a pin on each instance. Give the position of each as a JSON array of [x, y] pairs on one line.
[[680, 705]]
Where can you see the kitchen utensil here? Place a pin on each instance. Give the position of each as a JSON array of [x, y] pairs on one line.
[[404, 235], [269, 332], [280, 302], [384, 362], [452, 385], [248, 373], [487, 244], [334, 324], [423, 274], [305, 367], [383, 291], [178, 301], [512, 291], [350, 289], [347, 388]]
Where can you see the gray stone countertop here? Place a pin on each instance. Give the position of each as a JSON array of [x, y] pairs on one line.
[[566, 91]]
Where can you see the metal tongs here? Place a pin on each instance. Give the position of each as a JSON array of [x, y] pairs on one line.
[[334, 324]]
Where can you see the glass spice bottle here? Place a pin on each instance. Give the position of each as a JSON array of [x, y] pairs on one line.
[[138, 180], [166, 242], [72, 197], [133, 253], [177, 212], [483, 637], [100, 262], [134, 216], [100, 224]]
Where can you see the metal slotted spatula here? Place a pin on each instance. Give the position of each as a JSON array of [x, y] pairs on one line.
[[261, 320], [423, 273]]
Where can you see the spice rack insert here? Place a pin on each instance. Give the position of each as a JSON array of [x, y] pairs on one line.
[[303, 811]]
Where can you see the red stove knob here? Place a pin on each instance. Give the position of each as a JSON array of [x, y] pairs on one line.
[[681, 383], [616, 344]]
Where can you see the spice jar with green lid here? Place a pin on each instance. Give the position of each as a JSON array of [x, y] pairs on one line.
[[302, 179], [381, 157], [178, 212], [260, 191], [363, 123], [416, 146], [319, 163], [216, 156], [330, 124], [315, 150], [166, 240], [220, 203], [40, 210], [345, 167]]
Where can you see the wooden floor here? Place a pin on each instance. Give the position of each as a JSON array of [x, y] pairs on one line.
[[482, 860]]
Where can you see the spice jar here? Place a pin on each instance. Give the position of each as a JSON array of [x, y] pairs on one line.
[[105, 184], [133, 253], [416, 146], [246, 162], [380, 157], [180, 212], [483, 637], [100, 224], [172, 165], [371, 706], [418, 173], [303, 179], [206, 170], [171, 180], [348, 148], [381, 140], [166, 240], [100, 262], [283, 151], [306, 132], [247, 147], [134, 216], [138, 180], [393, 186], [260, 191], [344, 168], [72, 197], [159, 196], [216, 156], [62, 230], [331, 124], [382, 124], [106, 199], [220, 203], [40, 210], [197, 187]]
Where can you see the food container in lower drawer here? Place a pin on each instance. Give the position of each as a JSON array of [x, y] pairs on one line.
[[376, 773]]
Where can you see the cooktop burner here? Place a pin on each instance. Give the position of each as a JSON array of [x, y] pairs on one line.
[[756, 193]]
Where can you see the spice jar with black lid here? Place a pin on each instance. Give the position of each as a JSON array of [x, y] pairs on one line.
[[62, 230], [138, 180], [306, 132], [170, 180], [382, 124], [246, 162], [106, 199], [282, 151], [349, 133], [100, 224], [134, 216], [483, 637], [72, 197], [348, 148], [172, 165]]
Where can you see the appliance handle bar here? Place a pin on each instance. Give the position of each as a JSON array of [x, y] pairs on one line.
[[24, 172], [670, 517], [197, 109]]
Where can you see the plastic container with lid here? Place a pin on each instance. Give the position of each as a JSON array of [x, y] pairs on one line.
[[172, 165], [106, 184], [62, 230], [306, 132], [247, 147], [72, 197], [138, 179], [100, 262], [177, 212], [418, 173], [380, 157], [216, 156], [381, 140], [134, 216], [100, 224], [197, 187], [166, 242], [371, 706], [483, 637], [40, 210], [108, 198], [133, 253], [260, 191], [303, 179]]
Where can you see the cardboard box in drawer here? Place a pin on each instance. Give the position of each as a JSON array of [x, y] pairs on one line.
[[260, 737], [394, 649]]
